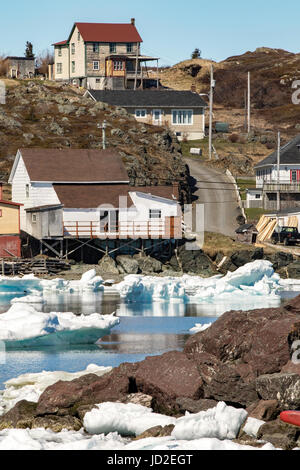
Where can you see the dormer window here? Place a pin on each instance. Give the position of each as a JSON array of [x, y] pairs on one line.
[[112, 47]]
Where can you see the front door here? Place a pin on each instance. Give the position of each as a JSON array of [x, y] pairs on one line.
[[157, 117]]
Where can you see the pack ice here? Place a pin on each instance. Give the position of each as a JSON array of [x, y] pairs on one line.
[[253, 279]]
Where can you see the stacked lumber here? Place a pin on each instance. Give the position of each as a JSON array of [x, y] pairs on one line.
[[33, 266], [266, 228], [292, 221]]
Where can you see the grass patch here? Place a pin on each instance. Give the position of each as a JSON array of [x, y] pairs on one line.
[[200, 144], [243, 185], [254, 214]]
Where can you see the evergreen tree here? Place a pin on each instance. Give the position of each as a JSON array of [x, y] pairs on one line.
[[196, 54], [29, 50]]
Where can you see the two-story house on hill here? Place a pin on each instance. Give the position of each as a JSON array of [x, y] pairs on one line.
[[101, 56]]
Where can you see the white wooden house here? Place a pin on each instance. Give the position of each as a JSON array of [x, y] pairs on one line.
[[85, 194]]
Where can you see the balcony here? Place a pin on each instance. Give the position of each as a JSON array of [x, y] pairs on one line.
[[283, 186], [154, 229]]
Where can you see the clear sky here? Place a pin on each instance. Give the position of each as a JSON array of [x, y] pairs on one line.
[[171, 29]]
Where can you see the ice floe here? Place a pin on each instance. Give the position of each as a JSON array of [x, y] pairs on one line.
[[30, 386], [23, 326], [199, 327], [253, 279]]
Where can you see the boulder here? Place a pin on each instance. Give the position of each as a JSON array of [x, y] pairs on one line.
[[265, 410], [293, 270], [57, 423], [64, 398], [280, 259], [21, 416], [195, 262], [285, 388], [108, 265], [195, 406], [168, 377], [156, 431], [281, 435], [149, 265], [255, 342], [127, 265]]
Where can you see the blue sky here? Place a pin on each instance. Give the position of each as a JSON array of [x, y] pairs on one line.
[[171, 29]]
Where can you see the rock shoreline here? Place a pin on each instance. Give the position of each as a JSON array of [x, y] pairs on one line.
[[244, 359]]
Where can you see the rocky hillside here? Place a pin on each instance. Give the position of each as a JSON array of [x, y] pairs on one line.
[[41, 114], [272, 73]]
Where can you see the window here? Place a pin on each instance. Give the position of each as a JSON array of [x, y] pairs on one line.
[[59, 67], [97, 80], [27, 190], [33, 218], [73, 66], [96, 65], [140, 113], [73, 48], [294, 176], [257, 196], [182, 116], [118, 65], [78, 36], [129, 48], [59, 52], [95, 47], [155, 214], [112, 47]]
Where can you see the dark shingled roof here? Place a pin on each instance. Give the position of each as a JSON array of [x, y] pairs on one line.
[[90, 196], [149, 98], [289, 154], [74, 165]]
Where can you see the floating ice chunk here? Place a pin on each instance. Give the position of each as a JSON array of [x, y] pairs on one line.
[[199, 327], [222, 422], [128, 420], [252, 426], [23, 326], [254, 279], [28, 299]]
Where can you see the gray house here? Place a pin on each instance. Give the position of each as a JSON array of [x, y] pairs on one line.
[[20, 67]]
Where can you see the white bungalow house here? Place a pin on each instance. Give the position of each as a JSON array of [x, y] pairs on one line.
[[85, 194]]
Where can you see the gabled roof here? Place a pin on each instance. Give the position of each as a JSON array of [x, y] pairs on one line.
[[149, 98], [10, 203], [61, 43], [72, 165], [108, 32], [91, 196], [289, 154]]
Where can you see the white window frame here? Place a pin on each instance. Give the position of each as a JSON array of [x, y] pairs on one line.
[[59, 68], [33, 218], [118, 65], [129, 47], [73, 48], [97, 68], [27, 190], [160, 116], [59, 51], [96, 47], [139, 112], [73, 66], [155, 214], [177, 111]]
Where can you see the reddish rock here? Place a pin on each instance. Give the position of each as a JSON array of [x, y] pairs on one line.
[[64, 398], [291, 368], [285, 388], [256, 342], [265, 410], [168, 377]]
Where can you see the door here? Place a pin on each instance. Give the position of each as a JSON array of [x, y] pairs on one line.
[[157, 117]]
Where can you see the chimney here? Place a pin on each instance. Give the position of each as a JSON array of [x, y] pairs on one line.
[[133, 21]]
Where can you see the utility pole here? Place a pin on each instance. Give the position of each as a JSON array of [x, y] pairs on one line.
[[278, 173], [103, 127], [136, 64], [211, 100], [249, 103]]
